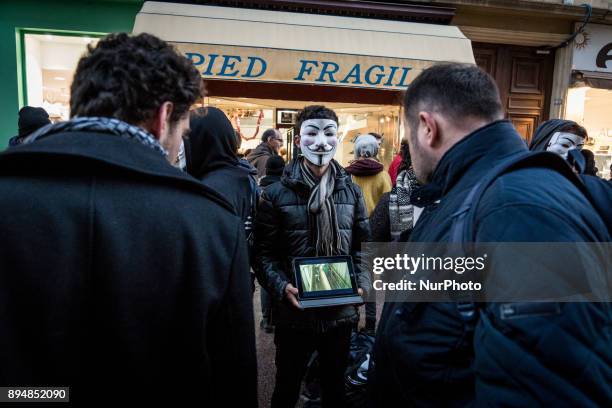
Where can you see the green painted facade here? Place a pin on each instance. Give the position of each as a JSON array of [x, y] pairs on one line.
[[17, 16]]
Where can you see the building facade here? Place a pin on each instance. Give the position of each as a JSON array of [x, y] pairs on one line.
[[265, 59], [40, 43]]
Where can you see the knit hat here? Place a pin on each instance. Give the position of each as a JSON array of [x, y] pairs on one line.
[[366, 146], [32, 119], [274, 166]]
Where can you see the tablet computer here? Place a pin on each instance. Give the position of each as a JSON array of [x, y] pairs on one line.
[[326, 281]]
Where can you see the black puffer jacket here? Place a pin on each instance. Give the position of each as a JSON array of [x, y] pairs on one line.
[[282, 233]]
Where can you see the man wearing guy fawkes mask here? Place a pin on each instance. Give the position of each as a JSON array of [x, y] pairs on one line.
[[558, 136], [315, 210]]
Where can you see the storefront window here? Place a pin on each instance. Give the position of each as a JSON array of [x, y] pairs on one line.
[[50, 63], [382, 120], [590, 107], [254, 116]]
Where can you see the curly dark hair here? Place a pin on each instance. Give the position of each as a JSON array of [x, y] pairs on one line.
[[314, 112], [129, 77]]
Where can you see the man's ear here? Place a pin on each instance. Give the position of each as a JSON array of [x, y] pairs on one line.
[[296, 140], [160, 122], [431, 130]]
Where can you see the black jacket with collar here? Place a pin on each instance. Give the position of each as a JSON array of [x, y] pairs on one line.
[[424, 356], [120, 276], [282, 232]]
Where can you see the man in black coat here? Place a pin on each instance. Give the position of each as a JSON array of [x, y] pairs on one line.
[[315, 210], [122, 277], [426, 354]]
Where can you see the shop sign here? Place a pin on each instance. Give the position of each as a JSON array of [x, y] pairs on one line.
[[595, 52], [275, 65]]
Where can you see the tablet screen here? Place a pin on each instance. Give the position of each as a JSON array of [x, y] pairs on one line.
[[325, 278]]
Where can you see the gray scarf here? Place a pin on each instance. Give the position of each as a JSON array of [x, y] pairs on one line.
[[401, 212], [100, 124], [322, 210]]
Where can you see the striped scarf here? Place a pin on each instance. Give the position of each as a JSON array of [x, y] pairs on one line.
[[103, 125], [322, 210], [401, 212]]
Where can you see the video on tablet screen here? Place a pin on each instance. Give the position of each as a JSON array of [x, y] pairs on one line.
[[325, 276]]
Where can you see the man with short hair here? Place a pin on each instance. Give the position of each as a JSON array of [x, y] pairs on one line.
[[271, 142], [315, 210], [425, 353], [122, 277]]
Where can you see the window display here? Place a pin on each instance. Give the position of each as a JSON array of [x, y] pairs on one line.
[[590, 107], [50, 63], [251, 117]]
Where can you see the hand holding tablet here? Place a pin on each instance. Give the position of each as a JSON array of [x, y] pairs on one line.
[[291, 294], [325, 281]]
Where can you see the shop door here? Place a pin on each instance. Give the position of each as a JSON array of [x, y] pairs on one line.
[[524, 79]]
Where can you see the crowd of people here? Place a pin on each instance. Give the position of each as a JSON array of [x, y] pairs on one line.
[[134, 235]]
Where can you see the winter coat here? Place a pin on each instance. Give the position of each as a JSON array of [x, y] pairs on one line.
[[121, 276], [259, 156], [425, 356], [282, 233], [370, 176], [380, 226]]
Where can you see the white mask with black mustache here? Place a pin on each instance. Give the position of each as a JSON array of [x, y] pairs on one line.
[[561, 142], [318, 140]]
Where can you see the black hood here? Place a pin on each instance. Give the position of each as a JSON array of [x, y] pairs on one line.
[[212, 143], [544, 132]]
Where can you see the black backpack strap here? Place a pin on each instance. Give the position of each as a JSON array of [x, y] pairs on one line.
[[464, 219], [462, 229]]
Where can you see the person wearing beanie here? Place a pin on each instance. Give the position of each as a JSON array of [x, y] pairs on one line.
[[367, 172], [30, 120], [274, 170]]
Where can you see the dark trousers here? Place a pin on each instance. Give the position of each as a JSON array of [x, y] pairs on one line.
[[266, 303], [293, 350], [370, 315]]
